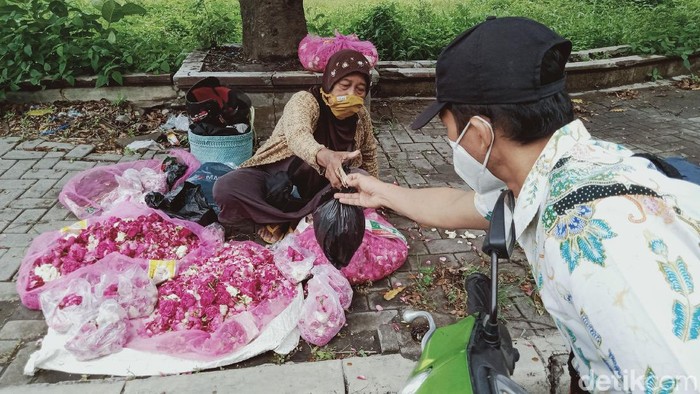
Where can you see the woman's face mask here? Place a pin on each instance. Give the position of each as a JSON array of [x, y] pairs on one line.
[[475, 174], [343, 106]]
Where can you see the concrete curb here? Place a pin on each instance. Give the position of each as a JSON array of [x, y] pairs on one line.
[[375, 374]]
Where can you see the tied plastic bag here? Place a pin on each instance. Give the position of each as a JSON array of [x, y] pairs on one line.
[[322, 315], [382, 251], [186, 202], [336, 281], [104, 333], [314, 51], [339, 229]]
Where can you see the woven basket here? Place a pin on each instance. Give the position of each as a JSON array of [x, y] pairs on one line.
[[227, 149]]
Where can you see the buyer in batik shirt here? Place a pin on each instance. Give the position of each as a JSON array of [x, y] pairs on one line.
[[612, 241]]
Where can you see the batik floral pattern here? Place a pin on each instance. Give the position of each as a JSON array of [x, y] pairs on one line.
[[582, 236], [686, 316]]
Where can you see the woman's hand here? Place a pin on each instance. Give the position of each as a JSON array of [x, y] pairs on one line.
[[332, 162], [369, 191]]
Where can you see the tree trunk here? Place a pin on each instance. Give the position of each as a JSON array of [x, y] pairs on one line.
[[272, 29]]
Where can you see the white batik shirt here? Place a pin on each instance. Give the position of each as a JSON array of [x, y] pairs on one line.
[[614, 247]]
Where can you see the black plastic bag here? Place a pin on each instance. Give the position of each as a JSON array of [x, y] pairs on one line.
[[186, 202], [339, 230], [208, 129], [279, 192], [173, 170]]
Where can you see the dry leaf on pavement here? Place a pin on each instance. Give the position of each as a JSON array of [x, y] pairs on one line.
[[391, 294]]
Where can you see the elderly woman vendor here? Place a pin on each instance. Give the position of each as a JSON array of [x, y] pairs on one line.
[[320, 131]]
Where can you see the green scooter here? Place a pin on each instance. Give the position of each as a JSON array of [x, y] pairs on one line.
[[476, 354]]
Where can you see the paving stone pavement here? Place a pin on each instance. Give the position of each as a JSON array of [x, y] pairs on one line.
[[661, 120]]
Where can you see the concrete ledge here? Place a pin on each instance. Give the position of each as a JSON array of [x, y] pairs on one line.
[[417, 79], [142, 96], [316, 377]]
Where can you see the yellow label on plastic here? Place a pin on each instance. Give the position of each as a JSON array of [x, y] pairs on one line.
[[75, 227], [161, 270]]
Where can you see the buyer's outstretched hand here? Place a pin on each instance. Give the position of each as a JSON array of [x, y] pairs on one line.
[[368, 191], [332, 162]]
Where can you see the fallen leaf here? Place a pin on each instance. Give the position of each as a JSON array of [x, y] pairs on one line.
[[389, 295], [577, 101], [618, 110], [39, 112], [527, 288]]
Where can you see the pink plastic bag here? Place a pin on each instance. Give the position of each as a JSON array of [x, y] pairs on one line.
[[61, 255], [314, 51], [96, 190], [67, 306], [294, 261], [72, 302], [322, 315], [217, 305], [105, 332], [330, 275], [383, 250], [128, 284]]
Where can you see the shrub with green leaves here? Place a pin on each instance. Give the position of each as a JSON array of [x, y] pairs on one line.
[[51, 39], [382, 26]]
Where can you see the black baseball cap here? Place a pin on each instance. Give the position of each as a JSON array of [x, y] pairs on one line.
[[495, 62]]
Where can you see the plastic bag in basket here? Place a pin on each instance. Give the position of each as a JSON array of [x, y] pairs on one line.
[[314, 51]]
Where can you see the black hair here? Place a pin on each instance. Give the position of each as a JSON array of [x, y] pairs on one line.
[[527, 122]]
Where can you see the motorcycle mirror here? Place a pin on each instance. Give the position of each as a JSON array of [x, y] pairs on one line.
[[499, 242], [500, 238]]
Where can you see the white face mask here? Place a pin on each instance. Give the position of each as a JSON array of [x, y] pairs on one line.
[[475, 174]]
